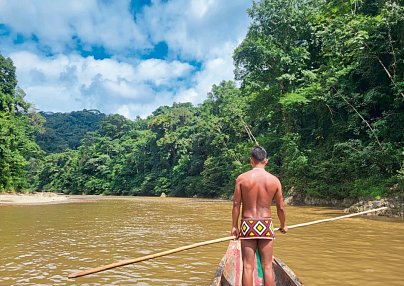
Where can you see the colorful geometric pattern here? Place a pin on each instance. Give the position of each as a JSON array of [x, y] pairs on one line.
[[256, 228]]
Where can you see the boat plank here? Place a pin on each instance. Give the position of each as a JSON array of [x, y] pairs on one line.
[[230, 268]]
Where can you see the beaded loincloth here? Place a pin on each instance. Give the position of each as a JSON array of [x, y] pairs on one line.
[[256, 228]]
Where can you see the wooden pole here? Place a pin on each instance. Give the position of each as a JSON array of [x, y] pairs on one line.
[[159, 254], [147, 257], [335, 218]]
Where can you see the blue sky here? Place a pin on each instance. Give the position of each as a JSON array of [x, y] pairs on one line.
[[120, 56]]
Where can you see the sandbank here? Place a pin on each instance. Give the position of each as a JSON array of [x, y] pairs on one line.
[[34, 199]]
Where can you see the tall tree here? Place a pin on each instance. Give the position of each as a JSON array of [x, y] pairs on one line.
[[18, 124], [324, 78]]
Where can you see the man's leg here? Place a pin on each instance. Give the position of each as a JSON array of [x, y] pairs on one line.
[[248, 248], [266, 251]]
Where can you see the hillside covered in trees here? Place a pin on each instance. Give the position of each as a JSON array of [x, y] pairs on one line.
[[65, 130], [319, 85]]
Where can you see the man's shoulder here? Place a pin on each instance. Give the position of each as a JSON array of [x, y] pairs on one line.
[[272, 177], [243, 175]]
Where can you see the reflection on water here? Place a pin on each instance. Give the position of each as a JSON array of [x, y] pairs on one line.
[[41, 245]]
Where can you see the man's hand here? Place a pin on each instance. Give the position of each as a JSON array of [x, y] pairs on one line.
[[234, 232], [284, 229]]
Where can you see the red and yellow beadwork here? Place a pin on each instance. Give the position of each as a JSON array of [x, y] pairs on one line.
[[256, 228]]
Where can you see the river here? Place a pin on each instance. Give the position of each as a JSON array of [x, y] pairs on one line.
[[41, 245]]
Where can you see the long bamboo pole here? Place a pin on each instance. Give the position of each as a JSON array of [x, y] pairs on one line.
[[336, 218], [171, 251]]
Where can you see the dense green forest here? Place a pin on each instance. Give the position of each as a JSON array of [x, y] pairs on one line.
[[65, 130], [20, 156], [320, 85]]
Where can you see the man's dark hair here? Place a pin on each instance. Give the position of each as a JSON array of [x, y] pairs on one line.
[[258, 154]]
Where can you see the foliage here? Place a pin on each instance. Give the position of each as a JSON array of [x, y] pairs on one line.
[[330, 86], [18, 122], [321, 88], [65, 130]]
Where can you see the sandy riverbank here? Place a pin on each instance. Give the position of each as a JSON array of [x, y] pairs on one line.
[[36, 199]]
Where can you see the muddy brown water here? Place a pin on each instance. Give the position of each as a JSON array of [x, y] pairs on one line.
[[41, 245]]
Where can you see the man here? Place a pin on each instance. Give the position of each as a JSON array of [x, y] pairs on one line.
[[255, 190]]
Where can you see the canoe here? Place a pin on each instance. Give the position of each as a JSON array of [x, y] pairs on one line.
[[230, 270]]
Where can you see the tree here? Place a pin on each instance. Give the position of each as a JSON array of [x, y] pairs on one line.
[[65, 130], [18, 125], [323, 78]]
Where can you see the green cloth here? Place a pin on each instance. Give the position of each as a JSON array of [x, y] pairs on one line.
[[259, 266]]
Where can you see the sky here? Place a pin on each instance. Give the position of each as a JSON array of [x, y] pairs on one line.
[[120, 56]]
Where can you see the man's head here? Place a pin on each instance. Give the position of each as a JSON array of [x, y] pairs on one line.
[[259, 155]]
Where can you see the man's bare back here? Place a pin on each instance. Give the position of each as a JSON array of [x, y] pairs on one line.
[[254, 191], [258, 189]]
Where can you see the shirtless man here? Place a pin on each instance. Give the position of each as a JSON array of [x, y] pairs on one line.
[[255, 190]]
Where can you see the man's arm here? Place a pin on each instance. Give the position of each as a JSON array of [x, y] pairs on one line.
[[280, 208], [236, 208]]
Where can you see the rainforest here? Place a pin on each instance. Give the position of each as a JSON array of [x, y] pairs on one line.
[[318, 84]]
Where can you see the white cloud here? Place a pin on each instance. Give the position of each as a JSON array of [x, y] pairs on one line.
[[196, 29], [161, 72], [56, 23], [57, 78], [214, 71], [187, 95], [64, 83], [199, 8], [52, 97]]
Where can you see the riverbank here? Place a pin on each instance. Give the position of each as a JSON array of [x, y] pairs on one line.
[[42, 198], [395, 204]]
